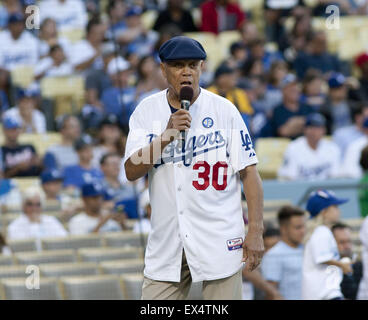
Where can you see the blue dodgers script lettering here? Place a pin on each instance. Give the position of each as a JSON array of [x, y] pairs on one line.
[[195, 145]]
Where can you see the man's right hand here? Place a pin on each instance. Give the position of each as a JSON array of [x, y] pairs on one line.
[[179, 121]]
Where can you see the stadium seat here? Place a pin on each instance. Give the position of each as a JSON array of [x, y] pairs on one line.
[[105, 254], [41, 142], [225, 39], [6, 260], [68, 269], [72, 242], [99, 287], [67, 92], [122, 239], [132, 284], [349, 48], [22, 245], [24, 183], [57, 256], [122, 266], [354, 223], [22, 76], [73, 35], [149, 18], [249, 5], [13, 272], [16, 289], [270, 152]]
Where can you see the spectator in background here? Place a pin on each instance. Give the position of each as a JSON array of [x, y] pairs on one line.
[[68, 14], [18, 46], [363, 286], [26, 113], [350, 165], [150, 79], [362, 63], [238, 54], [221, 15], [345, 136], [8, 7], [61, 155], [252, 68], [313, 93], [55, 65], [315, 56], [119, 98], [321, 250], [248, 33], [136, 38], [110, 139], [276, 74], [177, 15], [298, 37], [97, 80], [225, 86], [93, 220], [86, 54], [4, 89], [363, 192], [116, 10], [257, 51], [48, 37], [337, 107], [55, 199], [311, 157], [350, 282], [320, 8], [120, 193], [75, 176], [18, 160], [143, 225], [32, 223], [288, 119], [282, 264], [4, 248], [270, 238]]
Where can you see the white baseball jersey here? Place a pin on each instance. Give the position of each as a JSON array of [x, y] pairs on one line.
[[14, 53], [196, 205], [301, 162]]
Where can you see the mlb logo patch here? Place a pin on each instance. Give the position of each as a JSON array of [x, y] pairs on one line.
[[234, 244]]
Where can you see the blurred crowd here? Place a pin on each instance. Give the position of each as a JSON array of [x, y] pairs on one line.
[[284, 81]]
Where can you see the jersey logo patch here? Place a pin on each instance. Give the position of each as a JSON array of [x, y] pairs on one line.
[[234, 244], [207, 122]]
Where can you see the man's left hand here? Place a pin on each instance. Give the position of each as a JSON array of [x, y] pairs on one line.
[[253, 249]]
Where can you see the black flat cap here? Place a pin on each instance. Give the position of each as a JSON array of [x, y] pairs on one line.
[[182, 48]]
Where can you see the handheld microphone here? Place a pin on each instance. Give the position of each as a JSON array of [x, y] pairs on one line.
[[186, 96]]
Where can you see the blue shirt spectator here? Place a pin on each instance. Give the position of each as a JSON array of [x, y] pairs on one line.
[[77, 176], [283, 264]]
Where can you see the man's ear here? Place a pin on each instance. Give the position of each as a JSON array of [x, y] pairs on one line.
[[163, 69]]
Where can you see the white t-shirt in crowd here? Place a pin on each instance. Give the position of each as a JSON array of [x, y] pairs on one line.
[[351, 167], [47, 65], [83, 51], [20, 52], [38, 119], [320, 281], [144, 226], [23, 228], [363, 286], [84, 224], [68, 14], [301, 162]]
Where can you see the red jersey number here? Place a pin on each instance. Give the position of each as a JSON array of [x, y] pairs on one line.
[[219, 170]]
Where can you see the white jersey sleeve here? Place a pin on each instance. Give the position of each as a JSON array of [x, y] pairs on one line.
[[240, 146], [138, 136]]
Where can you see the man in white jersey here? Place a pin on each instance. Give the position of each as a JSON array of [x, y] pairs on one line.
[[194, 183], [311, 156]]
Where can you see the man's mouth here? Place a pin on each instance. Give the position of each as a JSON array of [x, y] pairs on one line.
[[185, 83]]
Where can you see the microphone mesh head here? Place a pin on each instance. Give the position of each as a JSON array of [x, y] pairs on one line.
[[186, 93]]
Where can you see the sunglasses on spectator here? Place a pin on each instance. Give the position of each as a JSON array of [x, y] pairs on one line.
[[33, 204]]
